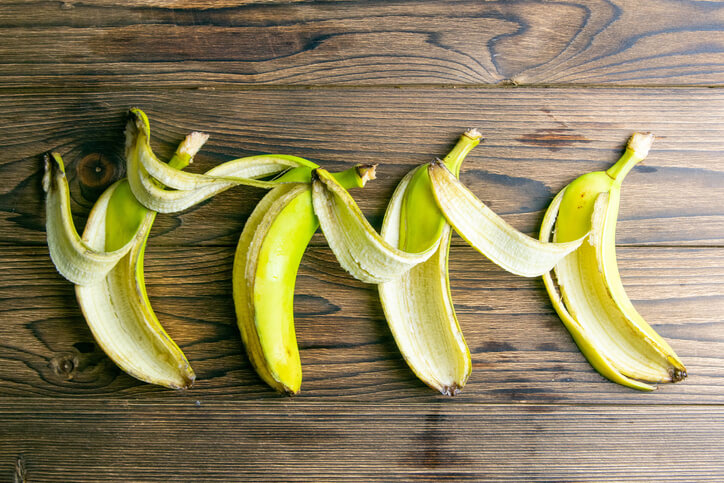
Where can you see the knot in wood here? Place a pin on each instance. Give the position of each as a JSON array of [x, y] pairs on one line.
[[64, 365], [96, 171]]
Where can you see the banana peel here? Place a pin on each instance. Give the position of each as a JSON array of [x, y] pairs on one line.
[[267, 259], [587, 292]]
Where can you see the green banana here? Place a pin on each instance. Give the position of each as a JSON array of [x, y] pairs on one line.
[[267, 258], [417, 305], [592, 302]]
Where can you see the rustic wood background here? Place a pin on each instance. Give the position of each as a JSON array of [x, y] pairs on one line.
[[555, 87]]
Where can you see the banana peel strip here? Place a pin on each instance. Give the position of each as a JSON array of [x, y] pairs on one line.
[[119, 313], [606, 257], [358, 247], [74, 258], [146, 171], [488, 233], [419, 310]]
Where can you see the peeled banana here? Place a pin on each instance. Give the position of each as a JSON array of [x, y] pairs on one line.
[[408, 260], [267, 258], [588, 294]]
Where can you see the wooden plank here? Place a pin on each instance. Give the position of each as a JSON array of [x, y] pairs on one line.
[[204, 43], [292, 440], [521, 352], [537, 140]]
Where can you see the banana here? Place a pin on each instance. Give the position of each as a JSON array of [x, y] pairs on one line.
[[417, 305], [267, 258], [409, 260], [106, 265], [592, 302]]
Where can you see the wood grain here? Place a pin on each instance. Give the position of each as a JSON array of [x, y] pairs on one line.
[[521, 352], [536, 141], [111, 43], [292, 440]]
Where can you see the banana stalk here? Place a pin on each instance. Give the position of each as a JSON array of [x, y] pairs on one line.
[[588, 294], [267, 258]]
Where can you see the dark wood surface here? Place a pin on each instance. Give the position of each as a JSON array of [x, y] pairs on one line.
[[556, 89]]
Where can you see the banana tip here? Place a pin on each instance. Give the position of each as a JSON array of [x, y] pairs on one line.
[[192, 143], [678, 375], [51, 162], [366, 172], [451, 390]]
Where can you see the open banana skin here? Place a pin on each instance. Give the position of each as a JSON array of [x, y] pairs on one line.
[[407, 260], [106, 263], [587, 291]]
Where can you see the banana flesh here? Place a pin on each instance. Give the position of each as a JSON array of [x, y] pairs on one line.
[[588, 293], [267, 258], [358, 247], [488, 233], [417, 305]]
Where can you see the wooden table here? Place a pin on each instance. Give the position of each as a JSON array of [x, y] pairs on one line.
[[556, 89]]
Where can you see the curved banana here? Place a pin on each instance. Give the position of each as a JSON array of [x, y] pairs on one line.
[[417, 305], [146, 171], [267, 258], [489, 234], [592, 303]]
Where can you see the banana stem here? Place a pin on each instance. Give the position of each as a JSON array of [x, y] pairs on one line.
[[465, 144], [187, 149], [354, 177], [636, 150]]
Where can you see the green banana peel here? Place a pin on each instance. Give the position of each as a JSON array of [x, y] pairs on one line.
[[267, 258], [588, 294]]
